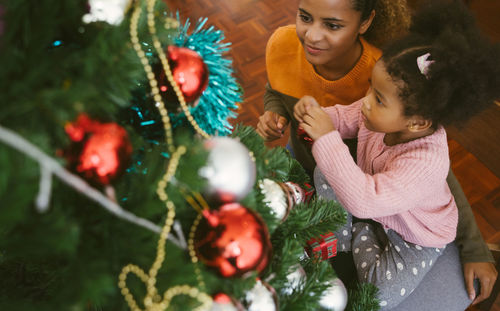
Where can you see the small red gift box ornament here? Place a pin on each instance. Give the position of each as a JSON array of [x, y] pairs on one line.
[[323, 247], [302, 134]]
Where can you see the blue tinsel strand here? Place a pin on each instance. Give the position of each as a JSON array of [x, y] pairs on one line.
[[223, 92]]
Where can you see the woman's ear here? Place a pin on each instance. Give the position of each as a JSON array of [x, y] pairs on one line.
[[418, 124], [366, 23]]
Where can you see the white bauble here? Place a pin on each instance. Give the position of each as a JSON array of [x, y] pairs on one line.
[[261, 298], [335, 297], [295, 279], [274, 197], [109, 11], [230, 170]]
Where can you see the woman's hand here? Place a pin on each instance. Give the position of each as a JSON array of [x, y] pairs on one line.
[[271, 126], [312, 118], [487, 275]]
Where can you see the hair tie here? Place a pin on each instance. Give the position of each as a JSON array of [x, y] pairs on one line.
[[423, 64]]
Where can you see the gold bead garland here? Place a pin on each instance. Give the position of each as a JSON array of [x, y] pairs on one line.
[[152, 301], [168, 72], [192, 252], [134, 38]]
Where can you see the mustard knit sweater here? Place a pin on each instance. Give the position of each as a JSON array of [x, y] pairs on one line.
[[291, 76], [290, 73]]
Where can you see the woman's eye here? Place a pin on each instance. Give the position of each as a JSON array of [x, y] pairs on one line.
[[379, 102], [333, 26], [305, 18]]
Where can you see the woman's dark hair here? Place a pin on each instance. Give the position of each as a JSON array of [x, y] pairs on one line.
[[464, 77], [392, 19]]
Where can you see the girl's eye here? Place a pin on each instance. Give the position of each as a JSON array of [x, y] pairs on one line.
[[379, 102], [305, 18], [332, 26]]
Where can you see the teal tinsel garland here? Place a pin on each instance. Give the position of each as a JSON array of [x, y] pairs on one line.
[[223, 92]]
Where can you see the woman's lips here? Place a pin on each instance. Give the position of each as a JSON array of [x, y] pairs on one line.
[[313, 50]]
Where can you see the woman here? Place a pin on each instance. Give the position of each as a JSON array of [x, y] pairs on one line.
[[329, 55]]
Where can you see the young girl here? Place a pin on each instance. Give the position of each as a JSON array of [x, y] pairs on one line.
[[442, 73]]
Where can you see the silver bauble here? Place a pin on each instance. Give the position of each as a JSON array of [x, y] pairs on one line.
[[296, 278], [335, 297], [230, 170], [261, 297]]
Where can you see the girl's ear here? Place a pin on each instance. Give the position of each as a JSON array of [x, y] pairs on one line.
[[366, 23], [418, 124]]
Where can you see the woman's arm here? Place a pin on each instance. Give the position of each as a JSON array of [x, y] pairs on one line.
[[474, 253], [273, 101], [273, 123]]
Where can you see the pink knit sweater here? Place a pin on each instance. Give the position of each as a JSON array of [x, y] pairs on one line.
[[403, 187]]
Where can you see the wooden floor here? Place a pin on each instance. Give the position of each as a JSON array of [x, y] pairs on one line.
[[249, 23]]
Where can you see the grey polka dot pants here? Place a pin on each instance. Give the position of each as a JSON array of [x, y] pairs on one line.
[[381, 257], [384, 259]]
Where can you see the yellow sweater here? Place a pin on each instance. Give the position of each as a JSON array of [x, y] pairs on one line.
[[290, 73], [291, 76]]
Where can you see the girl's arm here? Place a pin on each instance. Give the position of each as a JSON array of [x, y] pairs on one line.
[[407, 181], [318, 121], [346, 118]]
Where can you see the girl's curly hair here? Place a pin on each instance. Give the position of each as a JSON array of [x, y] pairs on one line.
[[464, 77], [392, 19]]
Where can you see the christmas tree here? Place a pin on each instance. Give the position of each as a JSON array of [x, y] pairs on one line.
[[124, 185]]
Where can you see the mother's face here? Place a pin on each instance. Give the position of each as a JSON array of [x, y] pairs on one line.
[[328, 29]]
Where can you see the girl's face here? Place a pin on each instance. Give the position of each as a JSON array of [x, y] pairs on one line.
[[382, 108], [328, 29]]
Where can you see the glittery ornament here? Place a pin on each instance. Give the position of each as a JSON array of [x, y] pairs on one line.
[[274, 197], [109, 11], [100, 152], [302, 134], [230, 170], [261, 297], [295, 280], [189, 72], [334, 297], [281, 197], [233, 239]]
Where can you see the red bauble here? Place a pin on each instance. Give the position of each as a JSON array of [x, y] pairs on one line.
[[234, 240], [100, 152], [188, 70], [302, 134]]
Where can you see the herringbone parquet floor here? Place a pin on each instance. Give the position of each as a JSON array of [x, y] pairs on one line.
[[247, 24]]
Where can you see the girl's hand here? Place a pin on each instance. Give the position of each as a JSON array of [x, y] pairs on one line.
[[316, 122], [300, 109]]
